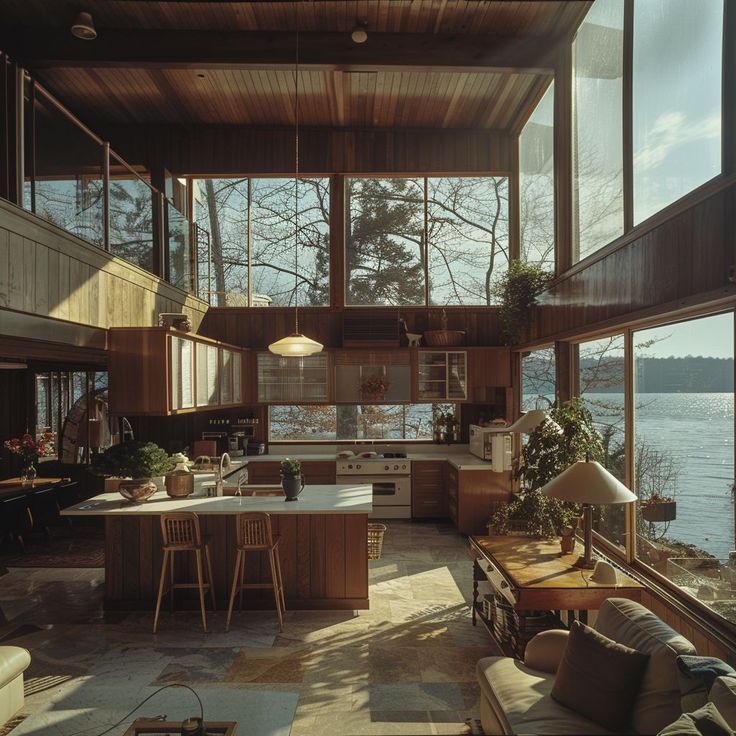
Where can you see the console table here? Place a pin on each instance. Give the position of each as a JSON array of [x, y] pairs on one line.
[[531, 583]]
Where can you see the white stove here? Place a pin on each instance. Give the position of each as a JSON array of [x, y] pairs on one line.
[[391, 479]]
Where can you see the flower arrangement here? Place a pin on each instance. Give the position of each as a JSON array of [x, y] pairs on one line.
[[654, 499], [291, 467], [375, 385], [29, 448]]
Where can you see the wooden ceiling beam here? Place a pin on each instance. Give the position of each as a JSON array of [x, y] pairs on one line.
[[38, 48]]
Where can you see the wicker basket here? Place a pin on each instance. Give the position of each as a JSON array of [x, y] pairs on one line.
[[444, 338], [375, 540]]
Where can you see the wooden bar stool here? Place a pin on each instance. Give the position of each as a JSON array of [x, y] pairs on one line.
[[181, 533], [255, 535]]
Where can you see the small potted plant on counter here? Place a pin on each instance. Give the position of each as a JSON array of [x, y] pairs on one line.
[[292, 480], [137, 462]]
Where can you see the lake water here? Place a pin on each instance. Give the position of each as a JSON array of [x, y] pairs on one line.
[[697, 429]]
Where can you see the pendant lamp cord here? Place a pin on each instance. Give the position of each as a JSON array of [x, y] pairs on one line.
[[296, 182]]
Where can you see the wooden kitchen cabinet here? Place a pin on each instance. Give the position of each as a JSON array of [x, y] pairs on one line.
[[473, 495], [442, 375], [293, 380], [489, 374], [428, 489], [159, 371], [260, 473], [316, 472]]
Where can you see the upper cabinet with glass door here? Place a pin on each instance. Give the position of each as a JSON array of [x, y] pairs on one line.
[[160, 371], [293, 380], [442, 375]]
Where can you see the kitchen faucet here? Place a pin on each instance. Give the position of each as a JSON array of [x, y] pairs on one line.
[[219, 478]]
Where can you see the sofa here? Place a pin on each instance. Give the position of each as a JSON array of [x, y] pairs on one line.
[[515, 695], [14, 662]]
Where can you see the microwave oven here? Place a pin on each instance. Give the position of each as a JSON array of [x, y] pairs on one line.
[[491, 443]]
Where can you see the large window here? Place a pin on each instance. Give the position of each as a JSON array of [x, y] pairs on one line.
[[436, 240], [677, 62], [536, 185], [538, 376], [602, 368], [253, 255], [355, 422], [684, 455], [598, 128]]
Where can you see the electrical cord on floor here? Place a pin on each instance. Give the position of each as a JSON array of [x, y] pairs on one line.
[[143, 702]]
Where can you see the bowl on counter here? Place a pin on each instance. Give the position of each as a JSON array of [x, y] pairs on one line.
[[345, 454], [368, 454]]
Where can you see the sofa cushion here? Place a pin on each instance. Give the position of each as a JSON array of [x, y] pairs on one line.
[[522, 695], [723, 696], [705, 721], [598, 677], [697, 675], [14, 661], [631, 624]]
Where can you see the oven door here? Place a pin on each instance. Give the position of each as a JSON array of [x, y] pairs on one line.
[[391, 494]]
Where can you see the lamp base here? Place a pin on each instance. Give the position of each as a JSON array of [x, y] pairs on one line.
[[584, 564]]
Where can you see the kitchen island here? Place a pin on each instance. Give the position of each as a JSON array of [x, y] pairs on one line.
[[323, 545]]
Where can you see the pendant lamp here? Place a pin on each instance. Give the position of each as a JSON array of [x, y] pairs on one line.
[[296, 345]]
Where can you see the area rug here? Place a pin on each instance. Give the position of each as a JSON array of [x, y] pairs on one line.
[[83, 548]]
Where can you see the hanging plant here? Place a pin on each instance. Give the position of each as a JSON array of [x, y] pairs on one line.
[[545, 455], [517, 291]]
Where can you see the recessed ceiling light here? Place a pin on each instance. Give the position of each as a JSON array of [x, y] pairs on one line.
[[359, 34], [84, 27], [201, 75]]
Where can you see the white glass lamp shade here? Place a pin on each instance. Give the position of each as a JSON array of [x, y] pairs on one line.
[[295, 346], [529, 421], [588, 482]]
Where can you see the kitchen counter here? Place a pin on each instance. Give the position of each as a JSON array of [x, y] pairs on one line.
[[314, 499]]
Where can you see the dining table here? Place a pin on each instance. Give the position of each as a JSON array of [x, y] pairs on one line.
[[14, 486]]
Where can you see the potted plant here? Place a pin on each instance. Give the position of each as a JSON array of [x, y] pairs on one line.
[[658, 508], [545, 455], [292, 480], [137, 463], [29, 450], [517, 291]]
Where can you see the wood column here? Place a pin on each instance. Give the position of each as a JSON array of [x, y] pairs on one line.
[[565, 365], [728, 109], [563, 160], [337, 240]]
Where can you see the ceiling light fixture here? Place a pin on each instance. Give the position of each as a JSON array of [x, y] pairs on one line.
[[84, 27], [296, 345], [359, 34]]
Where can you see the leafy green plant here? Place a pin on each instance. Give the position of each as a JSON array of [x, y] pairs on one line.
[[545, 455], [291, 467], [133, 459], [517, 291]]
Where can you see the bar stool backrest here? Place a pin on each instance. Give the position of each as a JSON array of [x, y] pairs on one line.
[[181, 530], [254, 530]]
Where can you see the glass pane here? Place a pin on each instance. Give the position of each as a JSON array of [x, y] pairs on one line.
[[237, 379], [43, 399], [226, 377], [456, 381], [131, 218], [67, 173], [221, 208], [354, 421], [684, 461], [180, 251], [538, 379], [274, 252], [467, 236], [677, 67], [536, 185], [597, 127], [601, 371], [384, 242]]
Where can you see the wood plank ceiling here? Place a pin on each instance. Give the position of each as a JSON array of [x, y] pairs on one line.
[[440, 76]]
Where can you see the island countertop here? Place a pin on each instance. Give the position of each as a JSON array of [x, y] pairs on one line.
[[314, 499]]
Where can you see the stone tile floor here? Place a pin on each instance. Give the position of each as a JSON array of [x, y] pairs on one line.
[[406, 666]]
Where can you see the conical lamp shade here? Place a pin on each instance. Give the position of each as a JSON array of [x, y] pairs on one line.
[[295, 346], [529, 421], [588, 482]]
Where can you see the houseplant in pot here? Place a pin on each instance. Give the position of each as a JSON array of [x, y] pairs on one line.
[[292, 480], [137, 462]]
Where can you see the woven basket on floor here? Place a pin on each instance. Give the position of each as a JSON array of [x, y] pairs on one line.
[[375, 540]]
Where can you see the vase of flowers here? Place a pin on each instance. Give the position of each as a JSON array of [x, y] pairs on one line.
[[292, 480], [29, 450], [373, 387]]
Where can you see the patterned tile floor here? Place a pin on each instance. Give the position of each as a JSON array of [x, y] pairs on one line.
[[406, 666]]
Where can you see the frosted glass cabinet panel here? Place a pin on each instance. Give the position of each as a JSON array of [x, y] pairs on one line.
[[293, 380], [207, 375], [182, 373]]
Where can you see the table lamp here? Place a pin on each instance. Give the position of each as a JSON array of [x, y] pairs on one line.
[[530, 420], [589, 483]]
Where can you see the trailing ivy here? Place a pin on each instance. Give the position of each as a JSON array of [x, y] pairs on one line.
[[517, 291]]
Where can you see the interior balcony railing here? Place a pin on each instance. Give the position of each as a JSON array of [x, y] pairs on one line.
[[73, 179]]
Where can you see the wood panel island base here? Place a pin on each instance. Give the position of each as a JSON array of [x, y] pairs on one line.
[[323, 547]]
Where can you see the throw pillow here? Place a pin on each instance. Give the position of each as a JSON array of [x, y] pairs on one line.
[[599, 678], [705, 721], [697, 675]]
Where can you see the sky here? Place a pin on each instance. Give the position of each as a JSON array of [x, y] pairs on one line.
[[707, 336]]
